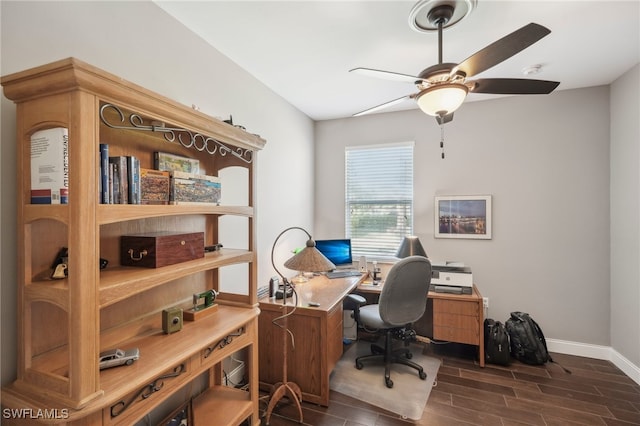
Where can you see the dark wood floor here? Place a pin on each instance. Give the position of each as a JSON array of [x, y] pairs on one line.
[[596, 393]]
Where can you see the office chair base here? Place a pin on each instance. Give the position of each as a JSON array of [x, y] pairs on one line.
[[379, 350], [399, 356]]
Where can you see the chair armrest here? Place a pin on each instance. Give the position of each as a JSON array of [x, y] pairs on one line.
[[353, 302]]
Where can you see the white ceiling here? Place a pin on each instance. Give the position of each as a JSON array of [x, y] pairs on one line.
[[303, 50]]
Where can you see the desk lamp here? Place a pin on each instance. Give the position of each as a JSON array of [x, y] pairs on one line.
[[300, 278], [308, 259], [410, 246]]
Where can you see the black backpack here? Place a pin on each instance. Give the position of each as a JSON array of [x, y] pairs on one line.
[[527, 341], [496, 343]]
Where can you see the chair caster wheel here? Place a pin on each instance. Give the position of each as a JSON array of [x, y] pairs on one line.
[[388, 382], [422, 375], [359, 365]]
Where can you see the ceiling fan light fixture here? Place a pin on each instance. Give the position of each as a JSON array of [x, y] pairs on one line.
[[442, 99]]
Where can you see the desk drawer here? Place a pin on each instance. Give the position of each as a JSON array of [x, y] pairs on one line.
[[458, 335], [456, 321], [456, 307]]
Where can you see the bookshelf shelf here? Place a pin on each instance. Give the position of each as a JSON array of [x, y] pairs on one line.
[[123, 282], [112, 213], [224, 397]]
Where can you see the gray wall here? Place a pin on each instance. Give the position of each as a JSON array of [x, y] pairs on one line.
[[545, 161], [625, 215], [141, 43]]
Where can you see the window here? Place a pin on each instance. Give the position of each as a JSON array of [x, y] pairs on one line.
[[378, 198]]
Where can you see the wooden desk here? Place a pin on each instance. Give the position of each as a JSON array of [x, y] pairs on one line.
[[317, 332], [450, 317]]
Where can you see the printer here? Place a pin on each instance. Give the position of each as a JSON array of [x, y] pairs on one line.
[[451, 277]]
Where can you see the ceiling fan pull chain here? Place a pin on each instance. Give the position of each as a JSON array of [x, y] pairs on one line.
[[442, 139]]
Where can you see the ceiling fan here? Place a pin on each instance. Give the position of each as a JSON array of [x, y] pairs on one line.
[[443, 87]]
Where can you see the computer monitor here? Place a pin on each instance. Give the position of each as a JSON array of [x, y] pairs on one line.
[[337, 251]]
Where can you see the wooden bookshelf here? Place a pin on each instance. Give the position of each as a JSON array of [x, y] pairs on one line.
[[64, 324]]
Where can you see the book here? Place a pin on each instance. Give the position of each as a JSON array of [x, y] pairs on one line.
[[133, 170], [194, 188], [104, 173], [113, 193], [50, 166], [154, 186], [120, 180], [172, 162]]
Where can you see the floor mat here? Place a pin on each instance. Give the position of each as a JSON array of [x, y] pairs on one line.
[[409, 394]]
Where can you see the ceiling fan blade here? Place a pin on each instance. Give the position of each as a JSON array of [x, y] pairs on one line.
[[513, 86], [387, 75], [502, 49], [444, 119], [382, 106]]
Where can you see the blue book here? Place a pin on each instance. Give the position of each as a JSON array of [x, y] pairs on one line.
[[104, 173]]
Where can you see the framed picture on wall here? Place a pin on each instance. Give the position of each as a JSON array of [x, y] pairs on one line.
[[463, 216]]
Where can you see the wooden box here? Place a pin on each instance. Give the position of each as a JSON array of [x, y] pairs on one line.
[[158, 249]]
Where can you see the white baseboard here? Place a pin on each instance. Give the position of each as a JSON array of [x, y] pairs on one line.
[[597, 352]]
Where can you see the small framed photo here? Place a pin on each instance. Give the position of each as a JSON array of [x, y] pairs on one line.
[[463, 216]]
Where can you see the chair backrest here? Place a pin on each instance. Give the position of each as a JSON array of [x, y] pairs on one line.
[[403, 299]]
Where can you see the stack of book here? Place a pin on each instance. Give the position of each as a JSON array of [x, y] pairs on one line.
[[119, 178], [174, 180]]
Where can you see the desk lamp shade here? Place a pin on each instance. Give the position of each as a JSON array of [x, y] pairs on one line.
[[410, 246], [309, 259]]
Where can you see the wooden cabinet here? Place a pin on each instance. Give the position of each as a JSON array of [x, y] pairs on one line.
[[459, 318], [455, 321], [64, 324], [317, 336]]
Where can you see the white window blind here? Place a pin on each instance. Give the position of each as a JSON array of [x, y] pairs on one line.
[[378, 198]]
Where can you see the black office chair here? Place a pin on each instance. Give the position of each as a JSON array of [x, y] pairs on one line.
[[403, 301]]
